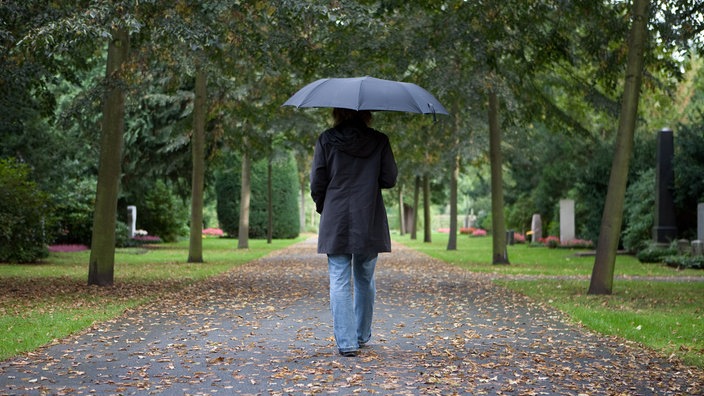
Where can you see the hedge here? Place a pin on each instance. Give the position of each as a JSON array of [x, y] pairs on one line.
[[285, 190]]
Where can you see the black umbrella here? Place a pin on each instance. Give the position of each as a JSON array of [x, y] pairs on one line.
[[366, 93]]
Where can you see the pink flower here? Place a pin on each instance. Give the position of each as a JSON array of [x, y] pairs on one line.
[[479, 232], [213, 232], [147, 238]]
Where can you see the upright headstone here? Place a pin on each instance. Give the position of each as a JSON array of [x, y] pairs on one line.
[[567, 232], [665, 229], [683, 246], [536, 227], [698, 244], [132, 220], [700, 222]]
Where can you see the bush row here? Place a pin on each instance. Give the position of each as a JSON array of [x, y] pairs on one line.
[[285, 186]]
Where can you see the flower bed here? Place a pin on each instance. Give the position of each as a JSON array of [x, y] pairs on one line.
[[554, 242], [67, 248], [213, 232], [147, 238]]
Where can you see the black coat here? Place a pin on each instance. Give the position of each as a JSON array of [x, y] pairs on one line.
[[352, 163]]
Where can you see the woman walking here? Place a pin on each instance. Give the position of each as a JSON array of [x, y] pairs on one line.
[[351, 164]]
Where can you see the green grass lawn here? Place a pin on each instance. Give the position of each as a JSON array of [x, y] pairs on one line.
[[666, 316], [50, 300], [474, 254]]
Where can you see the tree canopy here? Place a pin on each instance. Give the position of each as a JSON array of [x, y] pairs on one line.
[[554, 86]]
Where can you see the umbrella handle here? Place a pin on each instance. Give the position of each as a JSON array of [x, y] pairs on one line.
[[432, 108]]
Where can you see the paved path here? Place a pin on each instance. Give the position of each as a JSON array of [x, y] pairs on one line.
[[265, 329]]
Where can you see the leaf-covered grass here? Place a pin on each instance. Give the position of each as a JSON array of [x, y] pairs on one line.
[[667, 316], [50, 300], [474, 254]]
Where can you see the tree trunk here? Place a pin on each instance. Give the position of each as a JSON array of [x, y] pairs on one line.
[[454, 178], [500, 255], [416, 203], [303, 180], [401, 215], [610, 231], [101, 265], [427, 227], [245, 194], [302, 214], [195, 248], [452, 241], [269, 203]]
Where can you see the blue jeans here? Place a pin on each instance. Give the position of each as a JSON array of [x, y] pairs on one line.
[[352, 307]]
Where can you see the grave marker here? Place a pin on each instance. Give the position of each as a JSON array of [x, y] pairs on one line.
[[536, 227], [132, 220], [567, 232], [665, 229]]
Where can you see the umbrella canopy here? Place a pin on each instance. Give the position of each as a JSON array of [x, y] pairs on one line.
[[366, 93]]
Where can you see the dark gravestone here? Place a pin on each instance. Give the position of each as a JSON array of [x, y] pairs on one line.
[[665, 229]]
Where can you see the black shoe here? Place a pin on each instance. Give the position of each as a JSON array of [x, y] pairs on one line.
[[362, 345], [349, 353]]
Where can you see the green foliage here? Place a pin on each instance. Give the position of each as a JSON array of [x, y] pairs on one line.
[[520, 214], [122, 235], [25, 215], [74, 202], [162, 213], [485, 222], [688, 166], [639, 212], [685, 261], [285, 186], [656, 254], [590, 191]]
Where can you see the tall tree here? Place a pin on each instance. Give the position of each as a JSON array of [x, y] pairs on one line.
[[245, 197], [497, 196], [102, 254], [612, 217], [195, 247], [454, 180], [416, 208], [427, 219], [401, 212]]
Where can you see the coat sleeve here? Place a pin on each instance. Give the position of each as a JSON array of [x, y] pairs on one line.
[[388, 171], [319, 179]]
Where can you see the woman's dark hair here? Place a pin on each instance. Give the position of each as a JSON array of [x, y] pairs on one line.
[[341, 115]]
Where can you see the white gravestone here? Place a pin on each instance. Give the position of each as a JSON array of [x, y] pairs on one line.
[[536, 226], [567, 220], [700, 222], [132, 220], [698, 244]]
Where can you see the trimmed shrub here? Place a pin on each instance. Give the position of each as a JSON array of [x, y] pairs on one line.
[[685, 261], [75, 203], [163, 214], [25, 215], [655, 254], [285, 188], [639, 212]]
